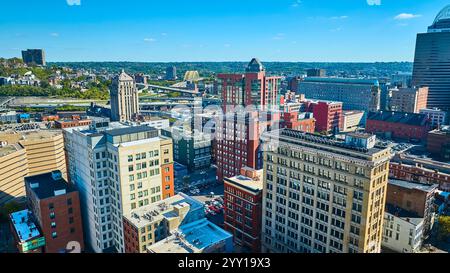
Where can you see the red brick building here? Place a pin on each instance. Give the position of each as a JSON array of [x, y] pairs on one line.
[[399, 125], [328, 114], [299, 121], [438, 143], [61, 124], [237, 136], [56, 206], [243, 208]]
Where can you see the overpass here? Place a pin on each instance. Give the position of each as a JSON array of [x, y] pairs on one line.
[[151, 87]]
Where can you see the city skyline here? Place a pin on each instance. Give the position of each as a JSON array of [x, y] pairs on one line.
[[287, 30]]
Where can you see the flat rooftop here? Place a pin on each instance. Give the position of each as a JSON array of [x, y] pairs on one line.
[[247, 182], [342, 80], [144, 216], [321, 142], [412, 185], [399, 117], [24, 226], [130, 130], [192, 238], [408, 216], [45, 186], [9, 149]]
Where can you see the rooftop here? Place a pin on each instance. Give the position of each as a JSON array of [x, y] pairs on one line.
[[324, 141], [48, 185], [24, 226], [342, 80], [130, 130], [192, 238], [413, 186], [442, 20], [408, 216], [144, 216], [253, 184], [399, 117], [9, 149]]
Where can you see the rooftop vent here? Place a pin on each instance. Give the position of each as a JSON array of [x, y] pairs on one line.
[[56, 175]]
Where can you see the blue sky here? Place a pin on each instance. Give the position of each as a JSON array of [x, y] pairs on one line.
[[213, 30]]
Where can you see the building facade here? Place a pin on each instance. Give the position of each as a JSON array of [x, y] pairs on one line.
[[14, 167], [432, 61], [322, 195], [328, 115], [34, 57], [117, 169], [243, 208], [398, 125], [437, 117], [351, 120], [55, 205], [355, 94], [124, 98], [408, 100], [237, 134], [438, 143]]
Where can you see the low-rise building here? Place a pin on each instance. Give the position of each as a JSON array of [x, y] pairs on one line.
[[438, 142], [398, 125], [402, 230], [56, 208], [328, 114], [414, 198], [438, 118], [63, 124], [27, 237], [304, 122], [243, 208], [352, 120], [174, 225]]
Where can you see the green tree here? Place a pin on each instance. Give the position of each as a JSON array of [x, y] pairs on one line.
[[444, 228]]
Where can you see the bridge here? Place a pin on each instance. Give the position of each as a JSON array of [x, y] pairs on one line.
[[151, 87], [5, 102]]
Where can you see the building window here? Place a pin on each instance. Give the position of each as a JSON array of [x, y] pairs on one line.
[[70, 210], [51, 206], [53, 224], [69, 201], [54, 235]]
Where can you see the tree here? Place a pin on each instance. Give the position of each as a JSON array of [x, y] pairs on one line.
[[444, 228]]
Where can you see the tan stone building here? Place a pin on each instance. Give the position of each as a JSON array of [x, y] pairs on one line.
[[44, 150], [124, 98], [409, 100], [322, 195], [14, 167]]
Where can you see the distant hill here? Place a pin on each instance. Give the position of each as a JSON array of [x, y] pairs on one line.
[[277, 68]]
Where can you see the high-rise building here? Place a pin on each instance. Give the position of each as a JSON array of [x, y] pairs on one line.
[[432, 61], [117, 168], [243, 208], [322, 195], [14, 167], [408, 100], [55, 205], [33, 57], [171, 73], [316, 72], [355, 94], [124, 98], [238, 134]]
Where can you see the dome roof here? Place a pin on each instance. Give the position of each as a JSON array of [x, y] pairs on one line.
[[444, 14]]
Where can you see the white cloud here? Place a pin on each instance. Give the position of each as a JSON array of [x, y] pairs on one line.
[[227, 45], [339, 17], [406, 16], [296, 4], [163, 34], [374, 2], [54, 34], [149, 40], [73, 2], [279, 36]]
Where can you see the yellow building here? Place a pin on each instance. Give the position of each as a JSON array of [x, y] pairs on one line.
[[322, 195], [44, 150], [14, 167]]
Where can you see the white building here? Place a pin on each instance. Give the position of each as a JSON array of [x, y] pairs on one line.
[[402, 230], [438, 117], [116, 169], [352, 120]]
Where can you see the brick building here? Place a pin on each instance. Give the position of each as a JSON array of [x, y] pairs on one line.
[[304, 122], [243, 208], [399, 125], [438, 143], [63, 124], [55, 205], [328, 114]]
